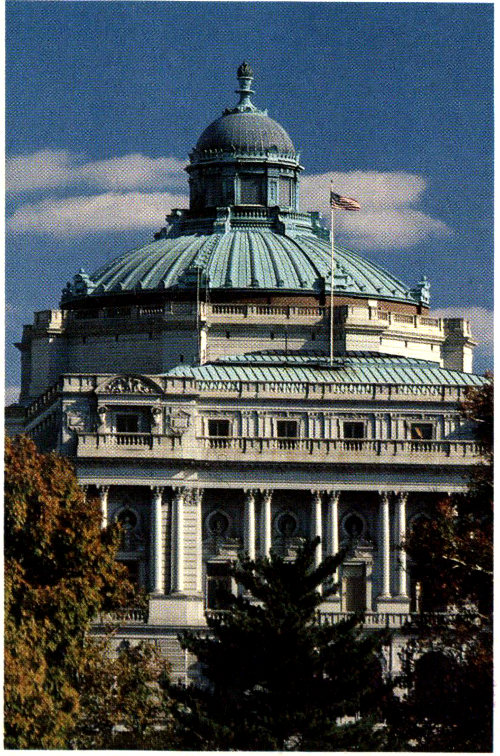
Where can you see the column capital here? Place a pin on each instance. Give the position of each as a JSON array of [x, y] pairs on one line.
[[385, 496], [267, 494], [250, 492], [401, 496], [196, 495], [157, 490], [333, 495], [180, 492], [102, 489], [317, 494]]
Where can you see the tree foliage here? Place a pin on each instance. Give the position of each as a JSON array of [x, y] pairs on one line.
[[277, 679], [60, 570], [447, 669], [122, 699]]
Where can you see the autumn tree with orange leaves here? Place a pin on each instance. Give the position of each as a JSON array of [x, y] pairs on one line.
[[60, 571]]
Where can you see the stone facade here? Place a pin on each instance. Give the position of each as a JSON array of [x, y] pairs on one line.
[[208, 417]]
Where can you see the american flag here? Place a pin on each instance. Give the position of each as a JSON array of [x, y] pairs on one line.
[[337, 202]]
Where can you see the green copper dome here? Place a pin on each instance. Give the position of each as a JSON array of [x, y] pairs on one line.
[[243, 229], [242, 259]]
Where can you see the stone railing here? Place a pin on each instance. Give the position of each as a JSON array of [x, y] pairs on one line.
[[375, 620], [126, 616], [355, 315], [262, 449]]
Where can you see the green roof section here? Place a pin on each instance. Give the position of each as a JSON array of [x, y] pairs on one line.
[[315, 368], [254, 258]]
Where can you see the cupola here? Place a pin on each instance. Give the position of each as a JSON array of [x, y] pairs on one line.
[[244, 158]]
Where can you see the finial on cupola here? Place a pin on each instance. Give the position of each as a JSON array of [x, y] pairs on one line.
[[245, 78]]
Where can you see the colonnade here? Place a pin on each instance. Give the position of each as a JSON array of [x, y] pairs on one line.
[[258, 536]]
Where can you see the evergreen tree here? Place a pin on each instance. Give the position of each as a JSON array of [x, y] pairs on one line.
[[277, 678]]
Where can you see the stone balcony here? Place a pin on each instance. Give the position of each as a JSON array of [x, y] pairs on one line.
[[369, 620], [269, 450]]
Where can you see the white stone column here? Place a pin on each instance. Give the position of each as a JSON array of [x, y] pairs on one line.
[[266, 522], [401, 525], [316, 524], [249, 524], [385, 544], [156, 539], [332, 538], [197, 501], [178, 540], [103, 495]]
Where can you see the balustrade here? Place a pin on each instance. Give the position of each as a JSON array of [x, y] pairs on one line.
[[302, 449]]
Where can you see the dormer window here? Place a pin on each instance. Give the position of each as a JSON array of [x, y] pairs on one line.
[[218, 428], [127, 423], [421, 431], [287, 429], [354, 430]]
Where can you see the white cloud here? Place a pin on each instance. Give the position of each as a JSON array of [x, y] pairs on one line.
[[112, 211], [481, 323], [40, 170], [389, 215], [11, 394], [135, 171], [48, 169]]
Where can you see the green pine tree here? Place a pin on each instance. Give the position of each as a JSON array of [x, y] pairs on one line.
[[277, 679]]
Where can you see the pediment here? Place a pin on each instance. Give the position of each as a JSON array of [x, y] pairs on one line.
[[129, 384]]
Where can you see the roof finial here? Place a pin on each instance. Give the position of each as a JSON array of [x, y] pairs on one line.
[[245, 78]]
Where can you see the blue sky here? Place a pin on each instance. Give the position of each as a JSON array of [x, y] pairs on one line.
[[104, 100]]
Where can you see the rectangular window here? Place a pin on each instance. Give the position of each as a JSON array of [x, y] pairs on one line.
[[354, 588], [127, 423], [218, 427], [219, 586], [287, 429], [354, 430], [285, 192], [251, 190], [421, 431]]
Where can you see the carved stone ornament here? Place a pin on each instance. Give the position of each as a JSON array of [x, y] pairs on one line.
[[78, 419], [128, 385], [156, 413], [101, 415], [178, 422]]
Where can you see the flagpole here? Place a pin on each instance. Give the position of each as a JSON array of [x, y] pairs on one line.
[[332, 276]]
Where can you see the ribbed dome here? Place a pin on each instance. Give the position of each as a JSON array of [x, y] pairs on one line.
[[245, 133], [246, 259]]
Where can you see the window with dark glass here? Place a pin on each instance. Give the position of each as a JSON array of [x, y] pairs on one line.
[[285, 189], [421, 431], [127, 423], [213, 193], [251, 190], [354, 587], [354, 430], [287, 429], [219, 585], [218, 427]]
